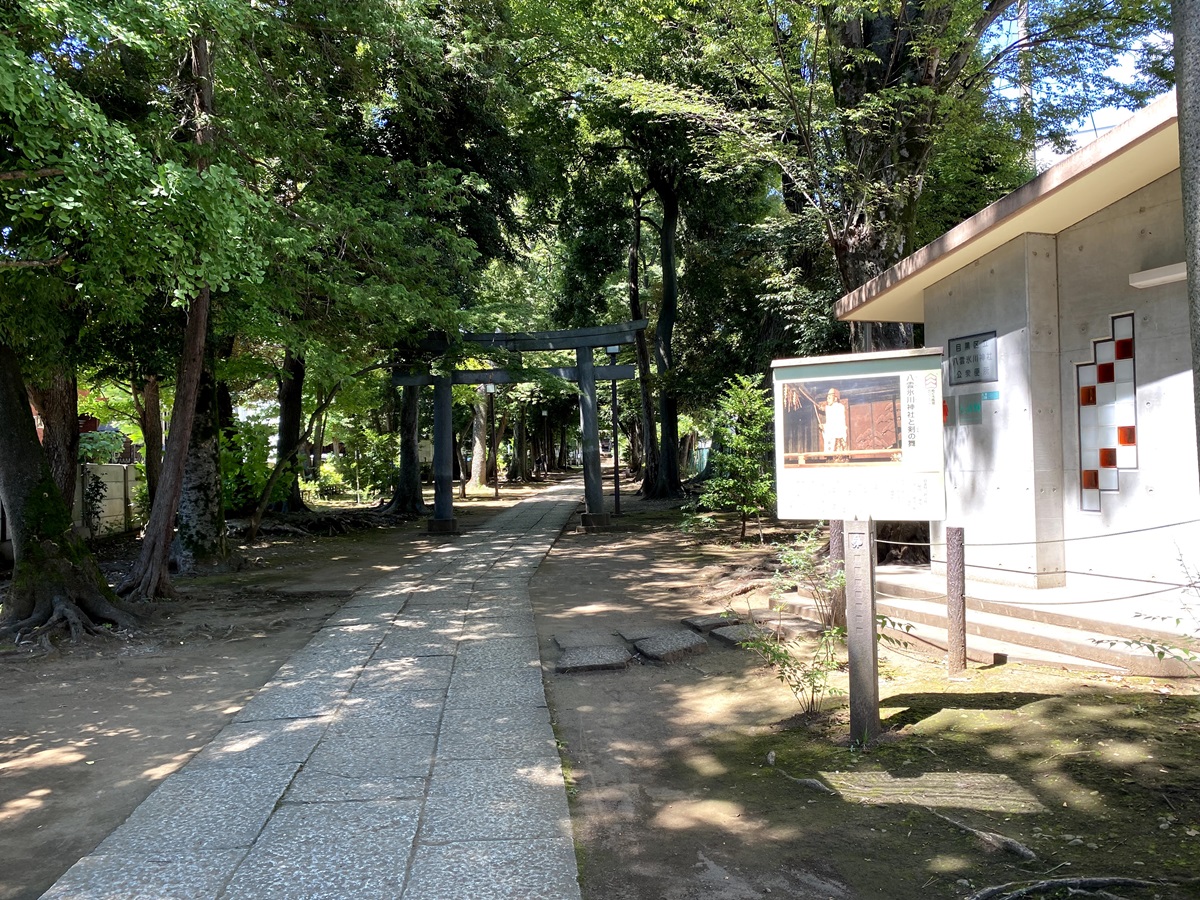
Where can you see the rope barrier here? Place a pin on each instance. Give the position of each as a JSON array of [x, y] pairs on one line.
[[1087, 537]]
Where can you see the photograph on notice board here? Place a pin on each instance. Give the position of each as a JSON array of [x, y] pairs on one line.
[[846, 421]]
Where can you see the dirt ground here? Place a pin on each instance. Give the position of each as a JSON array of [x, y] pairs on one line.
[[672, 797]]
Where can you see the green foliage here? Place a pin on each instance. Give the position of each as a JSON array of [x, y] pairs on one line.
[[805, 565], [803, 668], [370, 464], [330, 482], [743, 473], [100, 446], [245, 466]]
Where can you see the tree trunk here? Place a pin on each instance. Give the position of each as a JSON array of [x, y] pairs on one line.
[[150, 575], [648, 456], [200, 537], [57, 401], [668, 483], [518, 466], [1185, 22], [55, 581], [147, 402], [291, 415], [408, 497], [479, 443]]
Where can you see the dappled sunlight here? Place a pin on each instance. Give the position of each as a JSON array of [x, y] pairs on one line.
[[13, 810], [956, 790], [42, 759], [699, 814]]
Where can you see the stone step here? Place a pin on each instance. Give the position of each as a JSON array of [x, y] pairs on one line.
[[994, 635]]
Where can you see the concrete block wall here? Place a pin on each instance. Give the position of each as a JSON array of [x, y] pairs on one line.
[[997, 472], [1095, 259], [1013, 481]]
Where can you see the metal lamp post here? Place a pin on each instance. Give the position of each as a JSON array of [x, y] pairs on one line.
[[491, 392], [612, 358], [546, 443]]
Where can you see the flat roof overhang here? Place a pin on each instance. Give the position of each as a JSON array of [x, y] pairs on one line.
[[1134, 154]]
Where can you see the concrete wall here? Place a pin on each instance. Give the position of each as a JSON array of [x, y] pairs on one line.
[[1002, 475], [1096, 257], [1013, 481]]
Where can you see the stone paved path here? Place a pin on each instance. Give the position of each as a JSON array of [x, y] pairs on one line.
[[405, 753]]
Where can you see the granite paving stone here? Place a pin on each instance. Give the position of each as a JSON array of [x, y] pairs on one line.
[[205, 807], [179, 875], [250, 744], [407, 673], [588, 637], [705, 624], [494, 870], [593, 659], [359, 756], [735, 634], [384, 712], [330, 851], [672, 646], [493, 689]]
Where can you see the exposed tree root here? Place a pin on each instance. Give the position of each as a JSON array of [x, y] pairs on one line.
[[1081, 887], [60, 595], [990, 839]]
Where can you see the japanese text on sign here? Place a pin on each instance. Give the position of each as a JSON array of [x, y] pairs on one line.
[[973, 358]]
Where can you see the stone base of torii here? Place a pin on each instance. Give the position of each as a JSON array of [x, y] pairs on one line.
[[583, 341]]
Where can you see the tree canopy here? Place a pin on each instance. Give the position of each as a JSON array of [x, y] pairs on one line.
[[289, 196]]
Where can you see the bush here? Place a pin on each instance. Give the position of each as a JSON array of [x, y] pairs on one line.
[[245, 451], [743, 471]]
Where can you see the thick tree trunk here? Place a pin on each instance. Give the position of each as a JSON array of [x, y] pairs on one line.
[[200, 539], [648, 457], [479, 443], [57, 401], [291, 415], [150, 576], [518, 466], [55, 583], [148, 404], [668, 483], [408, 497], [1185, 22]]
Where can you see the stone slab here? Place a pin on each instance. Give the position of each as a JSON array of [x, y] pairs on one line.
[[672, 646], [330, 851], [593, 659], [635, 633], [202, 808], [732, 635], [588, 637], [495, 870], [707, 623], [178, 875]]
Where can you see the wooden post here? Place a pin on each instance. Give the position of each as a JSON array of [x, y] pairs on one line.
[[861, 631], [593, 485], [443, 456], [956, 602]]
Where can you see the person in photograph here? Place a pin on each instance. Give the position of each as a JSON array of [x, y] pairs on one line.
[[834, 431]]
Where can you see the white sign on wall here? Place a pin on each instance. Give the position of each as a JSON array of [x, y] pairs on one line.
[[860, 436]]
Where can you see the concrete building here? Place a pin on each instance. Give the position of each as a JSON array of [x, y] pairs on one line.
[[1062, 313]]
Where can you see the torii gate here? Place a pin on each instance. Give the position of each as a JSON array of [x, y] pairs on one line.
[[583, 341]]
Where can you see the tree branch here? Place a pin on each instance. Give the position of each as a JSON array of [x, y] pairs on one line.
[[33, 263], [29, 174]]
